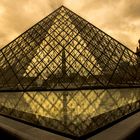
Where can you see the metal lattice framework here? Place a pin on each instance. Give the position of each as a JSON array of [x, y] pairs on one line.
[[67, 75]]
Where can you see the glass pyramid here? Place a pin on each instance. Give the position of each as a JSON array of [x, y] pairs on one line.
[[67, 75], [63, 51]]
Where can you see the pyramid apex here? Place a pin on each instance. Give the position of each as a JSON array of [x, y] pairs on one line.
[[62, 7]]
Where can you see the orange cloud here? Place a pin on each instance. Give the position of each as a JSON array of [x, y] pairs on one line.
[[119, 19]]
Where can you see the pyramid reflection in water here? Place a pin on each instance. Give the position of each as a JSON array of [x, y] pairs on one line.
[[65, 74]]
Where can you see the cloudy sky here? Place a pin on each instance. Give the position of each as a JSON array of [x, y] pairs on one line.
[[118, 18]]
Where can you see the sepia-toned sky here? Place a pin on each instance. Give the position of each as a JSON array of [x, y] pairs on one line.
[[118, 18]]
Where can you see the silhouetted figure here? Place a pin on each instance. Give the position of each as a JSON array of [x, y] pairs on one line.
[[138, 53], [138, 48]]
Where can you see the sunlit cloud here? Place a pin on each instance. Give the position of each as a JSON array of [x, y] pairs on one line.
[[119, 19]]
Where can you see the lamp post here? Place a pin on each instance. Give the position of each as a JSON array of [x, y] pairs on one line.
[[64, 79]]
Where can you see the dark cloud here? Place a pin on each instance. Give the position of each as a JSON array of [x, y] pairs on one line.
[[132, 9]]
